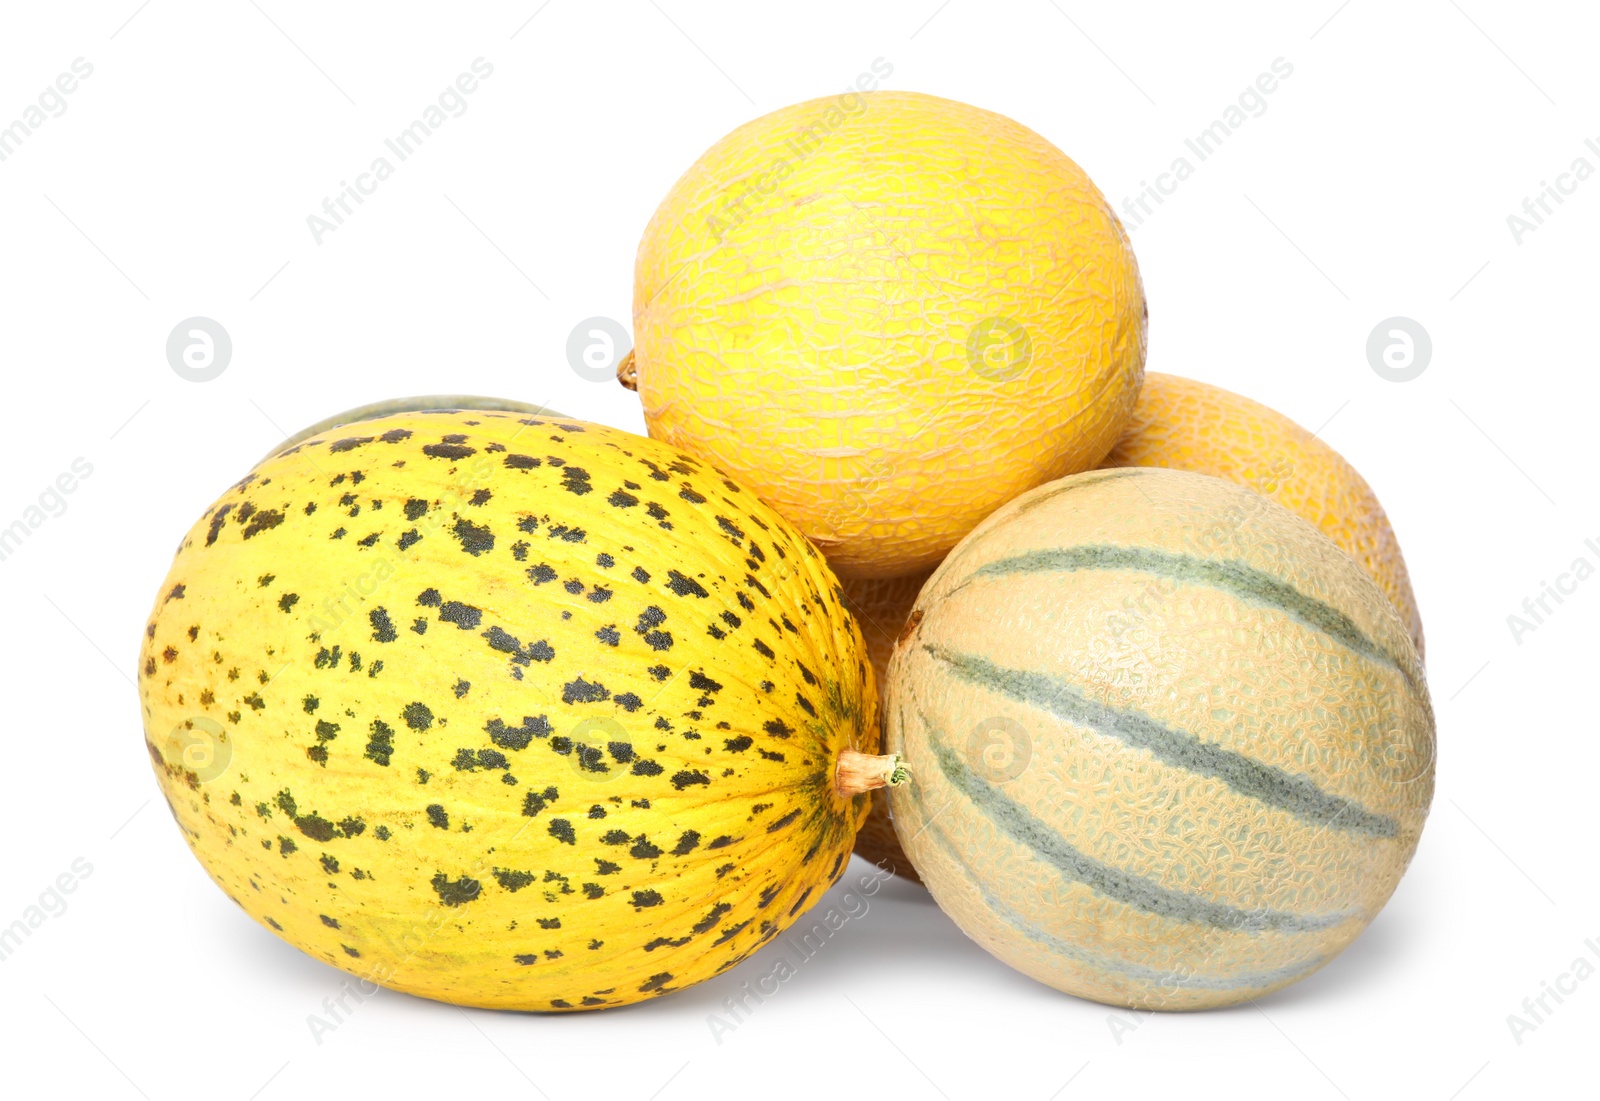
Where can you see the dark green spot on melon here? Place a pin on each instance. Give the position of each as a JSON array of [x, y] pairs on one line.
[[262, 521], [582, 691], [536, 801], [511, 880], [381, 745], [464, 616], [475, 539], [456, 892], [517, 737], [685, 586], [575, 479], [382, 626]]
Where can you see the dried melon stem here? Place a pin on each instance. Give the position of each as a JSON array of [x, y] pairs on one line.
[[862, 772], [627, 373]]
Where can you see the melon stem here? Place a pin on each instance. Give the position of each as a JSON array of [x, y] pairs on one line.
[[627, 372], [860, 772]]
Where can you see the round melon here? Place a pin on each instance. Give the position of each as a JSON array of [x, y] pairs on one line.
[[880, 606], [507, 710], [1188, 425], [841, 297], [1170, 747]]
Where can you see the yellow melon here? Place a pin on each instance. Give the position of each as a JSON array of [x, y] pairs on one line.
[[1170, 747], [843, 296], [510, 711], [1189, 425]]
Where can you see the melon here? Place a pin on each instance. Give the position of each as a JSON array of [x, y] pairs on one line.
[[881, 606], [414, 404], [1188, 425], [508, 710], [843, 297], [1170, 747]]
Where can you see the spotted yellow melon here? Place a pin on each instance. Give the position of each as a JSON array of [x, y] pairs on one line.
[[887, 314], [1189, 425], [1170, 747], [508, 710], [881, 606]]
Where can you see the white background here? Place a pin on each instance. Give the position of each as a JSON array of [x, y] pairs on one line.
[[1377, 183]]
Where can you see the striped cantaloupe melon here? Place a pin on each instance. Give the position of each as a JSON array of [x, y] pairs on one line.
[[1170, 747], [880, 607], [1188, 425], [510, 711]]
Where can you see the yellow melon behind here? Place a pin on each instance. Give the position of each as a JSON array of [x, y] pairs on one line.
[[1187, 425]]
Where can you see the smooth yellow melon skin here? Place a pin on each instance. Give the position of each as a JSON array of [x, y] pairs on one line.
[[1188, 425], [880, 606], [464, 759], [887, 314], [1143, 788]]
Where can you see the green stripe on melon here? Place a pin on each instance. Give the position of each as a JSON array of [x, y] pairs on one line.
[[1177, 978], [1273, 786]]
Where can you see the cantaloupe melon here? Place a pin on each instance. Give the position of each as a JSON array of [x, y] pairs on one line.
[[1170, 746]]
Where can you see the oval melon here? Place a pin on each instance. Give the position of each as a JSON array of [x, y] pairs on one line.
[[506, 710], [1188, 425], [1170, 747], [841, 296]]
